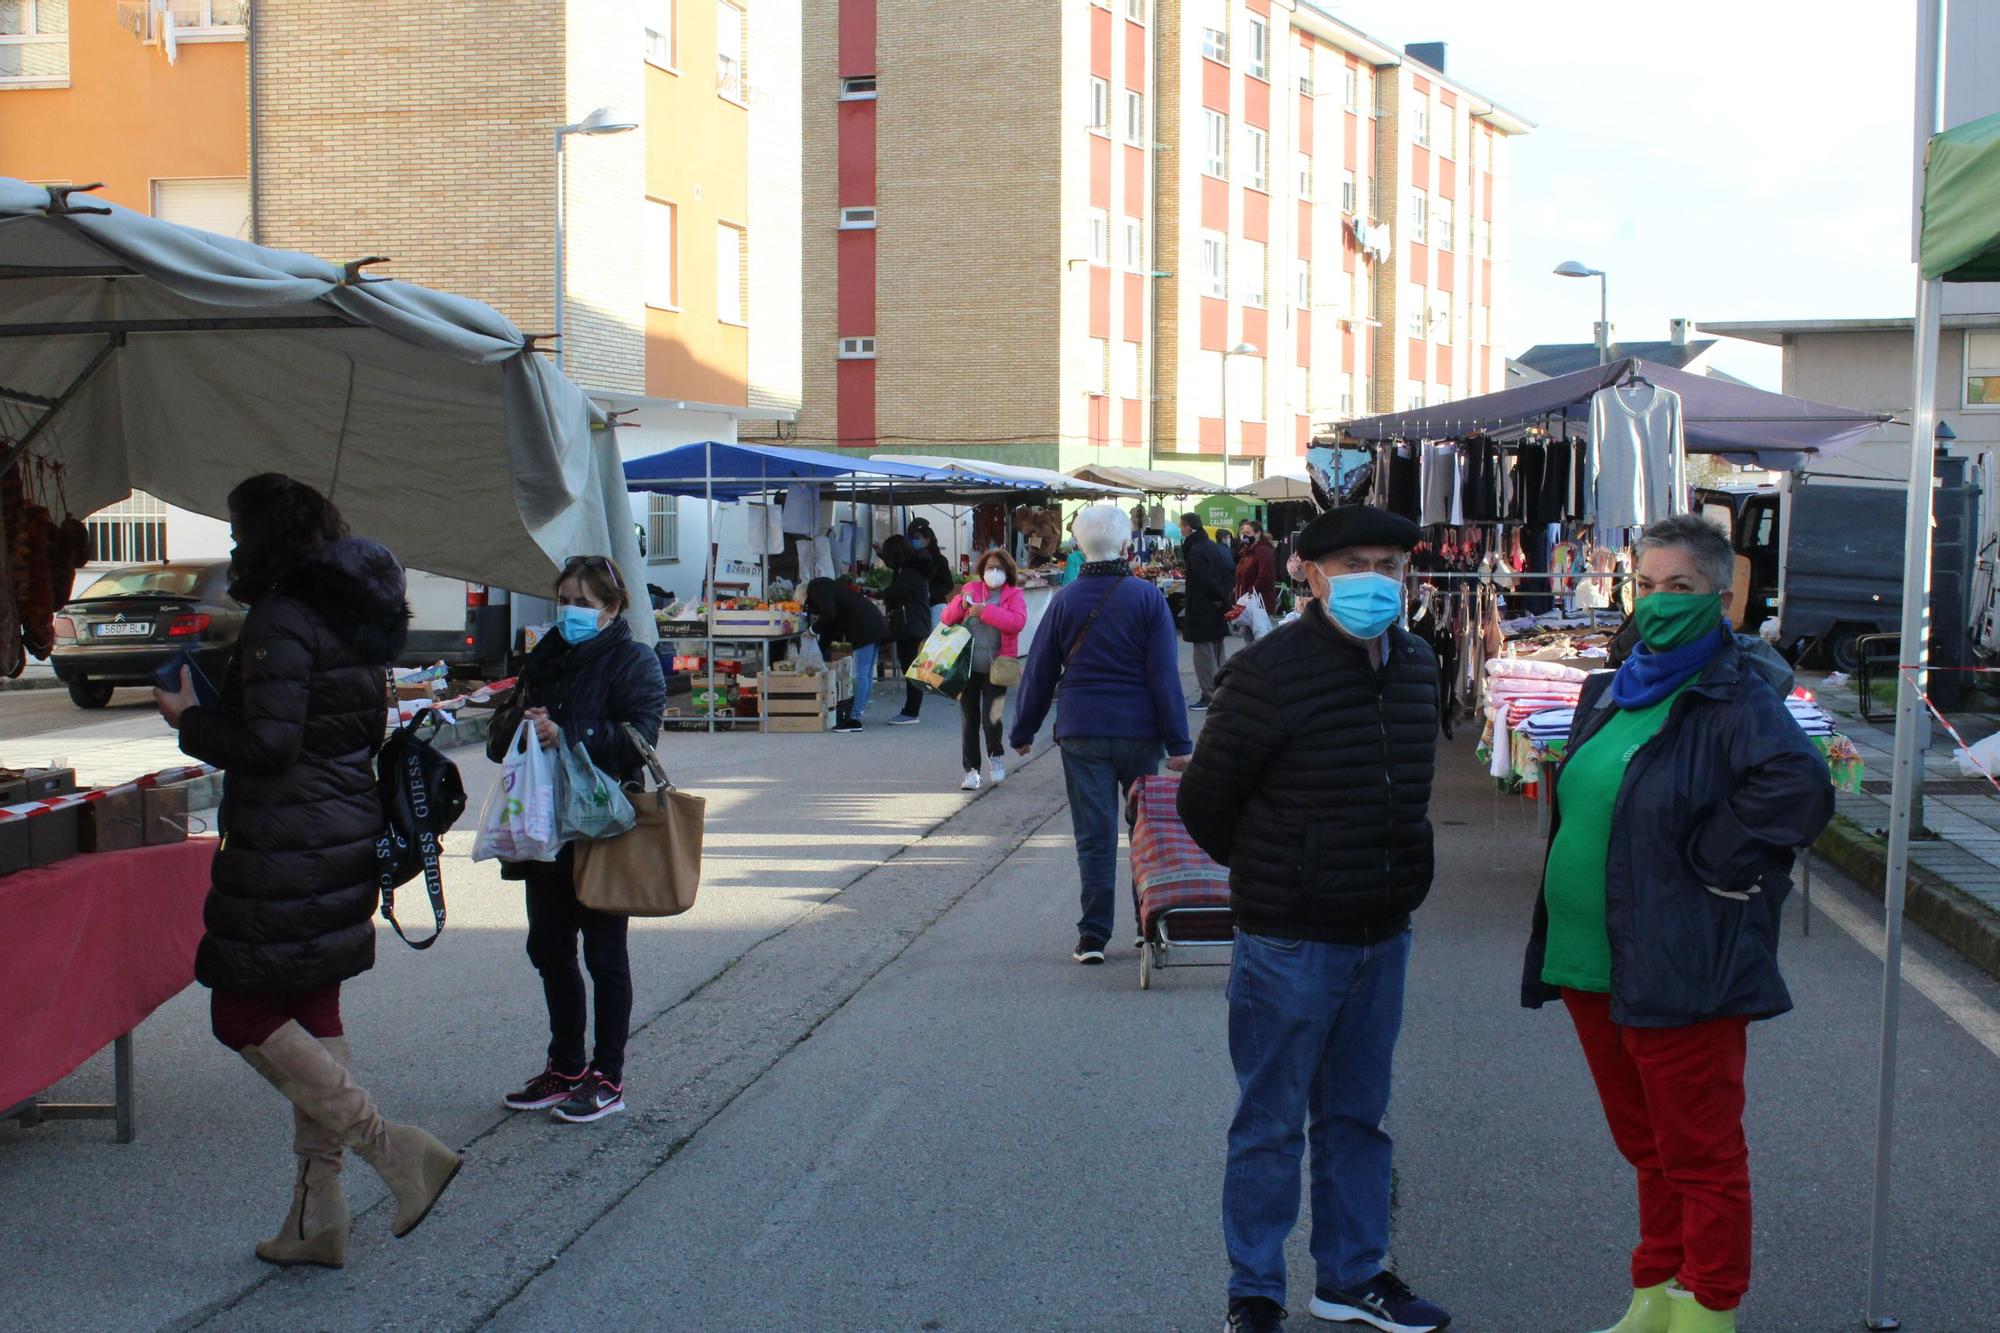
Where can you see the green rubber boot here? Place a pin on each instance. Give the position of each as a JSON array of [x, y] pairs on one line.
[[1691, 1316], [1651, 1312]]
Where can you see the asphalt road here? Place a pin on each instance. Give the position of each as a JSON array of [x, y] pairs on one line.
[[871, 1092]]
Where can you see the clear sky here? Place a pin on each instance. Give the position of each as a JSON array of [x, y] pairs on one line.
[[1719, 159]]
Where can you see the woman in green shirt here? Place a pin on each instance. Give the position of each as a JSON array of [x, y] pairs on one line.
[[1685, 794]]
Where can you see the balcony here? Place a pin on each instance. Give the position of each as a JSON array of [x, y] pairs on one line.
[[169, 23]]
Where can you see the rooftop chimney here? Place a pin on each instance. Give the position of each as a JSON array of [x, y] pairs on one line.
[[1677, 332], [1430, 53]]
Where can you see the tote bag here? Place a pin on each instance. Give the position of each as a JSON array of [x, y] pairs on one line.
[[944, 663], [654, 867]]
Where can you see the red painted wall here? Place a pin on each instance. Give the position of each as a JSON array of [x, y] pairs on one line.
[[1100, 171], [854, 291], [1257, 327], [1251, 443], [1443, 375], [1305, 124], [1419, 363], [1135, 307], [1256, 215], [1134, 415], [1100, 43], [1100, 301], [1420, 263], [1304, 351], [1420, 168], [854, 418], [1257, 103], [1135, 182], [1214, 86], [1135, 57], [1445, 271], [857, 37], [857, 153], [1214, 324], [1214, 204], [1208, 435], [1305, 230]]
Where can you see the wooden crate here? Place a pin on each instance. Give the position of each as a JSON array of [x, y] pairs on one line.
[[802, 722], [791, 694]]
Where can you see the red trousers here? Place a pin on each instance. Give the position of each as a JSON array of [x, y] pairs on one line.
[[246, 1018], [1674, 1100]]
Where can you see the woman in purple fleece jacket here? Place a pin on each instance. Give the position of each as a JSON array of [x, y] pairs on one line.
[[1108, 641]]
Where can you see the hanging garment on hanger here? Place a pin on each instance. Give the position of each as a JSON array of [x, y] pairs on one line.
[[1555, 500], [1594, 594], [1442, 485], [1531, 466], [1483, 498], [802, 511], [1406, 482], [1637, 442]]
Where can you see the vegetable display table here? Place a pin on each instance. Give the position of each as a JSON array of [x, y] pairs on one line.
[[91, 946]]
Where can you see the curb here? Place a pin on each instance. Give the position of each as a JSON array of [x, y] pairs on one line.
[[1933, 902], [31, 683]]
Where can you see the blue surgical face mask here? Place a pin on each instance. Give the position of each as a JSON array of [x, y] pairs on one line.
[[918, 543], [577, 624], [1364, 605]]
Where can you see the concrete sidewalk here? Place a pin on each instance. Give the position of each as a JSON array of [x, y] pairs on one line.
[[1954, 879]]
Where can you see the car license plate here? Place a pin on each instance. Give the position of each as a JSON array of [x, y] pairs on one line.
[[124, 629]]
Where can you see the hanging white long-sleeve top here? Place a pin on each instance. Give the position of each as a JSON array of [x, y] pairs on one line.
[[1637, 448]]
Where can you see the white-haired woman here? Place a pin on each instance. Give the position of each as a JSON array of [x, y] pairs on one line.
[[1108, 640]]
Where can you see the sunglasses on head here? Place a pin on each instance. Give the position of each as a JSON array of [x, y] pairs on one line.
[[603, 562]]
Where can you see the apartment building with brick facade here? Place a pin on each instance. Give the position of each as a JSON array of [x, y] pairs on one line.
[[427, 134], [1181, 233]]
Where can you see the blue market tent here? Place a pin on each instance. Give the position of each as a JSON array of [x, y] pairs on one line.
[[733, 471]]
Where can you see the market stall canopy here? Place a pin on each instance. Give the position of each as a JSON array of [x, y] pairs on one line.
[[1961, 233], [735, 471], [1055, 485], [1278, 486], [141, 355], [1149, 481], [1741, 423]]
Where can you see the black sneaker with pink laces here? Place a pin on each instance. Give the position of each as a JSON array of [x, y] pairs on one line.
[[548, 1088], [594, 1098]]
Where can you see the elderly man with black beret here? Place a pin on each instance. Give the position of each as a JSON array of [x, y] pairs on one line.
[[1312, 782]]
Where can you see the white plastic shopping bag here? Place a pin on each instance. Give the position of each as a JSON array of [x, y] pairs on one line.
[[1255, 622], [518, 821]]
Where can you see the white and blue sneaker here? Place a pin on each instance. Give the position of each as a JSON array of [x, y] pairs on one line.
[[1383, 1302]]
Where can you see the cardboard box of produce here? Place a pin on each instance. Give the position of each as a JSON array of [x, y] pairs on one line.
[[166, 814], [112, 823], [45, 782], [52, 835]]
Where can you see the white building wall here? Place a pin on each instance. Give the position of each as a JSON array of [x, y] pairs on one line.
[[606, 313]]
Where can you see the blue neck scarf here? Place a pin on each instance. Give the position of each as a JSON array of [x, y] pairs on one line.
[[1648, 677]]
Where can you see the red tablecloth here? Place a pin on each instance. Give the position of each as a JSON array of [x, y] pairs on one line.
[[88, 948]]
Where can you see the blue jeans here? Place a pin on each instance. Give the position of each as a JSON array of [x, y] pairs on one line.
[[864, 677], [1097, 770], [1312, 1028]]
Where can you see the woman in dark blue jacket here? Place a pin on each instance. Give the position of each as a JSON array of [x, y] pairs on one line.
[[583, 682], [1686, 791]]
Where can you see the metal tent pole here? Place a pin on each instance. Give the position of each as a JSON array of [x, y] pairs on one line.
[[708, 540], [1910, 729]]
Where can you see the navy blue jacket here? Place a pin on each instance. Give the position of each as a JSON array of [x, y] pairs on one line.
[[1125, 681], [1708, 820]]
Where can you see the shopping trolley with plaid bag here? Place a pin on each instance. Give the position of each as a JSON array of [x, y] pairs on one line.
[[1179, 896]]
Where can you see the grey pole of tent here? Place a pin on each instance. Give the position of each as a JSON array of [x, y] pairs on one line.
[[1910, 732], [708, 561]]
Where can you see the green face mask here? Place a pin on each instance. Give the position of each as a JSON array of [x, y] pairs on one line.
[[1670, 620]]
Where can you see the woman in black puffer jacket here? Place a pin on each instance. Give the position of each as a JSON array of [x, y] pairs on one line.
[[303, 713], [585, 681]]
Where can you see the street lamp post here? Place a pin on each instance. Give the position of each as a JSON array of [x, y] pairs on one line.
[[1241, 349], [600, 121], [1569, 268]]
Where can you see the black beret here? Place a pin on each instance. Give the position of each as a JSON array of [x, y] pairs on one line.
[[1356, 525]]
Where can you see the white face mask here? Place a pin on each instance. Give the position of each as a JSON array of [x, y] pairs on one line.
[[996, 578]]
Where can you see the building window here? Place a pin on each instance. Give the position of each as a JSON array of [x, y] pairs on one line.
[[1982, 370], [1100, 236], [729, 273], [857, 349], [1125, 368], [1260, 50], [663, 254], [131, 532], [1420, 219], [1302, 175], [1214, 264], [857, 219], [1438, 317], [662, 32], [220, 204], [1135, 245], [1215, 144], [1413, 395], [1215, 30], [729, 51], [1260, 159], [1414, 305], [1302, 286], [1135, 10], [1250, 273], [1135, 117], [1445, 231], [1449, 147], [1374, 198], [1348, 193], [663, 529], [1100, 106], [1097, 371], [1420, 121], [1350, 88], [857, 88]]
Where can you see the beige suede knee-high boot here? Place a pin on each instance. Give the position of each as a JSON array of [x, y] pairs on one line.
[[315, 1230], [415, 1166]]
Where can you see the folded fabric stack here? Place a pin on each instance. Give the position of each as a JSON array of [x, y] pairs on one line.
[[1806, 711], [1519, 690]]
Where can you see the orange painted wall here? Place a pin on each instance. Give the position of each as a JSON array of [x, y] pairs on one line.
[[129, 118], [697, 158]]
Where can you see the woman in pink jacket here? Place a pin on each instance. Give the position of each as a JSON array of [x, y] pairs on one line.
[[993, 607]]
